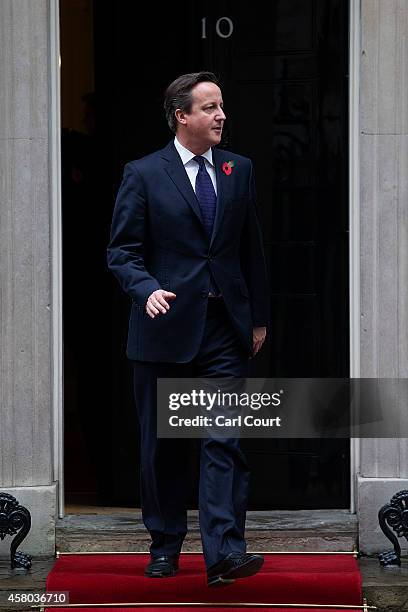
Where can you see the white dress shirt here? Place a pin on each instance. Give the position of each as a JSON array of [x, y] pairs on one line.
[[191, 166]]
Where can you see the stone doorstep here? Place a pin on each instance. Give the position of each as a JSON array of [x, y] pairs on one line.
[[273, 530], [385, 588]]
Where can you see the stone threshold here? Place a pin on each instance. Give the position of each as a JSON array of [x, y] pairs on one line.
[[313, 530]]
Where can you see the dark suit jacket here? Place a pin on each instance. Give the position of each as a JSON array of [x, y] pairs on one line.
[[158, 240]]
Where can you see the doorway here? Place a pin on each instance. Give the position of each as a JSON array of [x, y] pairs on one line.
[[285, 88]]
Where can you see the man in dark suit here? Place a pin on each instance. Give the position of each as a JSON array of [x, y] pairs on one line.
[[186, 247]]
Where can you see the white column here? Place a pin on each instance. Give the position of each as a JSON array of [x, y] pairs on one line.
[[384, 243], [26, 297]]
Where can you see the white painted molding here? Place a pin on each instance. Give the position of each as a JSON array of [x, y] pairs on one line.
[[56, 233], [354, 221], [56, 250]]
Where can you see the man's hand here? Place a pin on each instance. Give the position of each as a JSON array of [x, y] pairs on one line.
[[157, 304], [258, 338]]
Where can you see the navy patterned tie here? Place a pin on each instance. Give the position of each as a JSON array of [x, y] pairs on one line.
[[205, 192]]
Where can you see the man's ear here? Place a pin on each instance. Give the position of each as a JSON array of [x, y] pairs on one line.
[[180, 116]]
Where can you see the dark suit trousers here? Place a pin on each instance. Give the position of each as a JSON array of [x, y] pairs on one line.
[[224, 475]]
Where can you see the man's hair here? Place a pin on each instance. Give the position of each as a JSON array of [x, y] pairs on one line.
[[178, 94]]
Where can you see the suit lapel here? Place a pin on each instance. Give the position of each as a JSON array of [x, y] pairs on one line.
[[176, 171], [178, 175]]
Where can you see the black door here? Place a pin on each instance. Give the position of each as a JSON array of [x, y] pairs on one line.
[[283, 66]]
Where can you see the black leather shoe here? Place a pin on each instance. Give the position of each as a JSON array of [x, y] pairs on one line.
[[162, 567], [235, 565]]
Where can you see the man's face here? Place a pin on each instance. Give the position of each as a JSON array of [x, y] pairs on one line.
[[203, 124]]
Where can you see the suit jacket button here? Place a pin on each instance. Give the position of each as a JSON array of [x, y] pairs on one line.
[[204, 294]]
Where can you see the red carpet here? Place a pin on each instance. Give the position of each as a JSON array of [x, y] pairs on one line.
[[313, 579]]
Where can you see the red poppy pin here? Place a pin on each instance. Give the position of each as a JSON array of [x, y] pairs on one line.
[[227, 167]]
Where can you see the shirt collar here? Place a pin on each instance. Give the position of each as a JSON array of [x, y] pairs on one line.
[[187, 155]]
